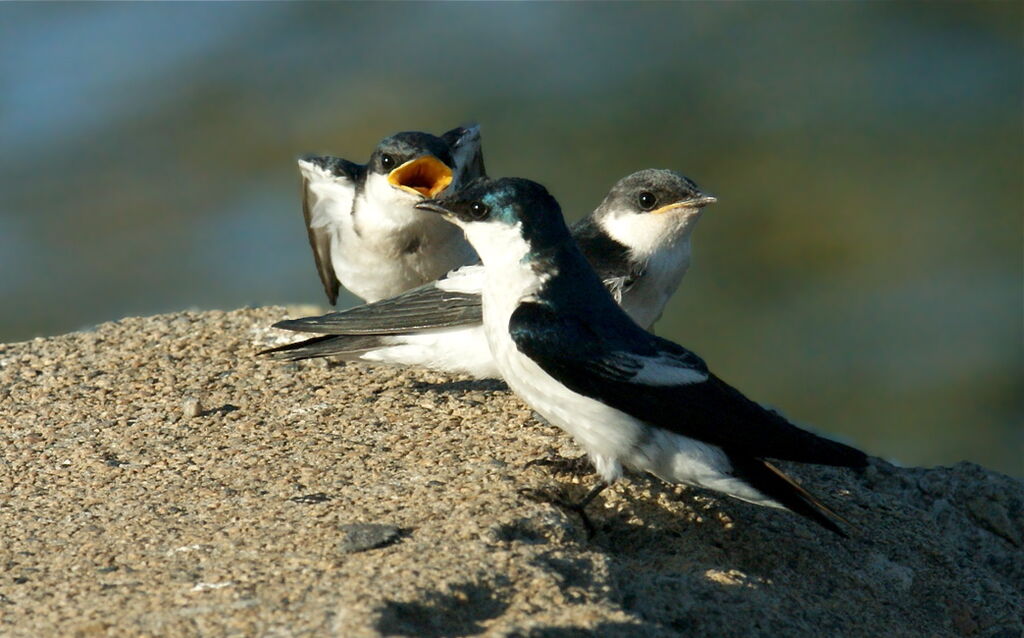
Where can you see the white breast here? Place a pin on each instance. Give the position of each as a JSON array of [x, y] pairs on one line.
[[662, 242], [645, 300], [387, 246], [468, 280], [614, 439], [604, 433]]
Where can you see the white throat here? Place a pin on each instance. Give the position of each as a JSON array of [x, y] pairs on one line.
[[662, 243], [647, 234], [392, 203], [509, 277]]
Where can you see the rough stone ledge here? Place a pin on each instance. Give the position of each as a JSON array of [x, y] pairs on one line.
[[159, 479]]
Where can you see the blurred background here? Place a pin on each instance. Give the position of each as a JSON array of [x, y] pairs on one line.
[[862, 271]]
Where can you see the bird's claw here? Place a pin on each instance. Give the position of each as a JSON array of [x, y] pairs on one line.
[[578, 466], [578, 507]]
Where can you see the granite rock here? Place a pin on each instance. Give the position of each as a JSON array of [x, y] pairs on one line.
[[161, 479]]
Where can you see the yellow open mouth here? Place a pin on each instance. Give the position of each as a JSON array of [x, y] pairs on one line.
[[425, 175]]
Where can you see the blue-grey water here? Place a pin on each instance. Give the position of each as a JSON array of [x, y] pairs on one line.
[[862, 271]]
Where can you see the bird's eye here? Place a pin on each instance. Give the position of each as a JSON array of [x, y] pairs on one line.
[[479, 210], [387, 161], [646, 200]]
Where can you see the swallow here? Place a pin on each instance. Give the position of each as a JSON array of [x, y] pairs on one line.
[[363, 229], [637, 239], [629, 398]]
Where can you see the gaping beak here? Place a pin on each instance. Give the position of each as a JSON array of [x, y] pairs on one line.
[[425, 175], [700, 201]]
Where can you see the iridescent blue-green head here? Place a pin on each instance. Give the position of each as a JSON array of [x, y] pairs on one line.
[[501, 216]]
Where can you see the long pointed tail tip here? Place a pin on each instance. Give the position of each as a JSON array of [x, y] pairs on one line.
[[778, 486], [297, 350], [289, 324], [829, 519], [280, 353]]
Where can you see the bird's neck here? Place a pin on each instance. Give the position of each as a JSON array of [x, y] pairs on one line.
[[392, 209], [511, 275], [558, 275]]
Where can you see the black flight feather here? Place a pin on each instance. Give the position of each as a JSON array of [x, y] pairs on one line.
[[345, 346], [420, 308], [774, 483]]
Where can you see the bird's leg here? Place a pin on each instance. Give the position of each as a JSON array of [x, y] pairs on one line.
[[580, 507], [542, 496], [591, 495]]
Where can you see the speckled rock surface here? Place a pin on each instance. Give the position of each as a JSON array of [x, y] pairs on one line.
[[160, 479]]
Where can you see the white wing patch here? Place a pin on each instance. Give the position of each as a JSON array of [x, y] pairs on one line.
[[666, 370]]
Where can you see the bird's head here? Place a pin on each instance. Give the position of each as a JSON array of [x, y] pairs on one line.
[[651, 209], [507, 218], [418, 164]]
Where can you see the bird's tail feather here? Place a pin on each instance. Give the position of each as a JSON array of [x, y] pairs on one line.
[[768, 433], [774, 483], [343, 346]]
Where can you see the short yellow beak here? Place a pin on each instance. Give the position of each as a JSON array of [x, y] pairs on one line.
[[696, 202], [425, 175]]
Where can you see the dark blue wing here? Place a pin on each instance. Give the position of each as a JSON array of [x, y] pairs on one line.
[[611, 366]]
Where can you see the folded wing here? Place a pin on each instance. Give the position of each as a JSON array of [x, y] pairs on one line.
[[665, 385], [425, 307]]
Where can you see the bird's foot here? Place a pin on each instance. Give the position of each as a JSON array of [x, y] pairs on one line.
[[578, 467], [578, 507]]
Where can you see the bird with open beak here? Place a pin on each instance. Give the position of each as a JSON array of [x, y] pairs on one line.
[[364, 229]]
